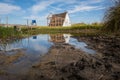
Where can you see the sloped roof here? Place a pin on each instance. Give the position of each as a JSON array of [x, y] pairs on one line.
[[62, 15]]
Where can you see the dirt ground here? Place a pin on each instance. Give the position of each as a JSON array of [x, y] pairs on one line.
[[64, 62]]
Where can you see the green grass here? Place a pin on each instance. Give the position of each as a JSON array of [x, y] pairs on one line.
[[72, 29], [8, 32]]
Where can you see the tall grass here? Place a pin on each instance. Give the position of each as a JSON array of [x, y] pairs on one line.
[[79, 27], [112, 18], [73, 29], [8, 32]]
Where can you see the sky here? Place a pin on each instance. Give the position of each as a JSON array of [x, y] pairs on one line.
[[18, 11]]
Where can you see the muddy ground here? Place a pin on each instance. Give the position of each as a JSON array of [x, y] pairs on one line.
[[64, 62]]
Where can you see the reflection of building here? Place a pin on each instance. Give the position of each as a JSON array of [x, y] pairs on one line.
[[61, 19], [67, 37], [59, 38]]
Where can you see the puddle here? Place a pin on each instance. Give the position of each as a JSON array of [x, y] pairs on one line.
[[81, 45], [36, 46], [40, 44]]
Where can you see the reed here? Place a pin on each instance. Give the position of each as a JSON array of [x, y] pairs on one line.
[[8, 32], [112, 18]]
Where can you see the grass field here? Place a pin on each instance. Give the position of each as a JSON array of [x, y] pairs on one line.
[[75, 29], [7, 32]]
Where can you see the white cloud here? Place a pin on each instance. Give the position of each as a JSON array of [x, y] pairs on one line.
[[86, 5], [56, 8], [91, 1], [84, 8], [37, 17], [40, 6], [40, 9], [43, 5], [32, 17], [8, 8]]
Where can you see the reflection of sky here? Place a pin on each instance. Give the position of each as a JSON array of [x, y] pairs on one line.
[[80, 45], [39, 45], [34, 48]]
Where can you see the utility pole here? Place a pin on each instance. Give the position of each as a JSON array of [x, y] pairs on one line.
[[7, 21], [0, 20], [27, 22]]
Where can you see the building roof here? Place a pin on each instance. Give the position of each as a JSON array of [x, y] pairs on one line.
[[61, 15]]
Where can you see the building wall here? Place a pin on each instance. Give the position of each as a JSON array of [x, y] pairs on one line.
[[67, 21]]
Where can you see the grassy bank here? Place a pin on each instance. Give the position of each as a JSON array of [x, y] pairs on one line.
[[87, 30], [72, 29], [9, 33]]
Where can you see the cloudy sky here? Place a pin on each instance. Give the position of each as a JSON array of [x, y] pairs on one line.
[[18, 11]]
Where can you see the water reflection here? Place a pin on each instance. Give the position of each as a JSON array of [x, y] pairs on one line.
[[56, 38], [34, 37], [59, 38], [41, 44], [7, 46], [81, 45], [66, 38], [36, 46]]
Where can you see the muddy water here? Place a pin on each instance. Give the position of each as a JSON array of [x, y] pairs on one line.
[[37, 46]]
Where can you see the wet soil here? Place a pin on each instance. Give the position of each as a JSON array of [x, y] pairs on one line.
[[64, 62], [104, 65]]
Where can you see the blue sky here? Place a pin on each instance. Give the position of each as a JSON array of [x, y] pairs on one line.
[[86, 11]]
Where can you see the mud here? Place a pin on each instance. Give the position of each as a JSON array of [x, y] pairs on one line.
[[104, 65], [64, 62]]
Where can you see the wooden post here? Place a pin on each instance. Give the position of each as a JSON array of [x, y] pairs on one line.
[[27, 23], [0, 20], [47, 22], [7, 21]]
